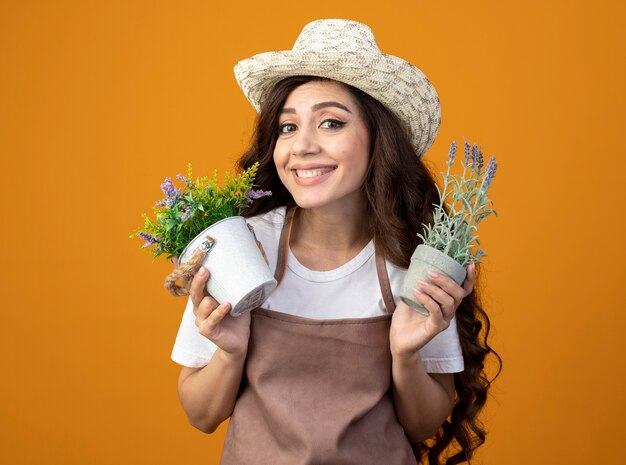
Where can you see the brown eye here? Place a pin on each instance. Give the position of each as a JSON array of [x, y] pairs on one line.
[[286, 128], [331, 124]]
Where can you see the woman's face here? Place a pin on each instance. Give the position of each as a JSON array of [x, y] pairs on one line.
[[322, 150]]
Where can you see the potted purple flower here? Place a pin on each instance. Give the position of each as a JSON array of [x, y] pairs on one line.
[[450, 243], [200, 224]]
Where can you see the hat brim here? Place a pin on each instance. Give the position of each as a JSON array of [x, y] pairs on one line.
[[396, 83]]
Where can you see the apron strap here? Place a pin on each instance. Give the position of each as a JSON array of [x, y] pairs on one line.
[[383, 281], [283, 254], [283, 245]]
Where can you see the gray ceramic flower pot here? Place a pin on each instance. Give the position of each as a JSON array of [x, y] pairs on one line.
[[423, 260]]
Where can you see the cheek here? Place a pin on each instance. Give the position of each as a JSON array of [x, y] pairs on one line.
[[281, 152], [277, 157], [280, 161], [359, 157], [360, 149]]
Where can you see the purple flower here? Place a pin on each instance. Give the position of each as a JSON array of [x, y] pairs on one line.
[[468, 154], [452, 154], [150, 240], [160, 203], [171, 192], [477, 156], [186, 215], [256, 194], [182, 178], [490, 172]]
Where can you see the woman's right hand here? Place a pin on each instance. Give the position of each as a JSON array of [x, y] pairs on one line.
[[214, 321]]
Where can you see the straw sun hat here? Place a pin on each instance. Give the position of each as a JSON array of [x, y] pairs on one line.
[[347, 51]]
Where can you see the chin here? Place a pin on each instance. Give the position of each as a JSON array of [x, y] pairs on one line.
[[308, 202], [346, 202]]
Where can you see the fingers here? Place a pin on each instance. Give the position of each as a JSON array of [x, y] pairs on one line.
[[447, 284], [197, 290], [209, 313], [451, 288], [208, 325], [207, 305], [470, 279], [436, 313], [442, 295], [203, 303]]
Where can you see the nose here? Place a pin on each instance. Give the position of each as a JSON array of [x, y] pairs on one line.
[[305, 141]]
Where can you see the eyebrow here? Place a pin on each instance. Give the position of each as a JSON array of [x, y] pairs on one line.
[[319, 106]]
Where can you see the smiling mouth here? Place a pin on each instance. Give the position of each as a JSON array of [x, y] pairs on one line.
[[314, 172]]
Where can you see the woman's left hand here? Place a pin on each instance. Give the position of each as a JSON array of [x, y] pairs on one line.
[[410, 330]]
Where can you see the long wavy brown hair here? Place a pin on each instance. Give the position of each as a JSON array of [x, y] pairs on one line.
[[400, 191]]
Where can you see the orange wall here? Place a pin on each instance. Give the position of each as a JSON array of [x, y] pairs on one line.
[[99, 101]]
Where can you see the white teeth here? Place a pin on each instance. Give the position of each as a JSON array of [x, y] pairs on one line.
[[314, 172]]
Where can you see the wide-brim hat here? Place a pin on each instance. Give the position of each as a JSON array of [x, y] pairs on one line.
[[347, 51]]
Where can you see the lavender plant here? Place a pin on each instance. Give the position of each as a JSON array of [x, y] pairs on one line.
[[463, 204], [183, 214]]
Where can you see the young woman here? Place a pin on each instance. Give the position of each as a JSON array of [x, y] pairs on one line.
[[334, 368]]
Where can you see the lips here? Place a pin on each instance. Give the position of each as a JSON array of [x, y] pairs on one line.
[[314, 172], [311, 174]]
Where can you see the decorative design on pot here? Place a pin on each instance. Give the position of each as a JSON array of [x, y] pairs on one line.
[[448, 243]]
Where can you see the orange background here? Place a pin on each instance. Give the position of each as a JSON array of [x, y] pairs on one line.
[[99, 101]]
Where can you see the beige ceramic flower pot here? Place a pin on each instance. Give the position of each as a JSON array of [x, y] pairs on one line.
[[423, 260]]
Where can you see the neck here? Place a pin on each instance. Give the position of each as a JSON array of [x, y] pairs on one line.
[[326, 238]]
